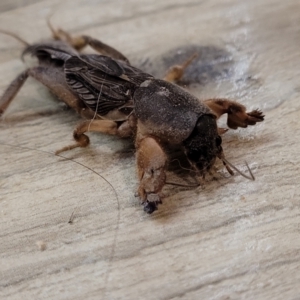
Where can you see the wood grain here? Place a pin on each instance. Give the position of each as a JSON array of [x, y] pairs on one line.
[[234, 239]]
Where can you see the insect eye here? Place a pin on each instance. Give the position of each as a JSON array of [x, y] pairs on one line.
[[218, 141]]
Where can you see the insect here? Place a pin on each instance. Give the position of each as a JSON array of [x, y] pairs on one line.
[[118, 99]]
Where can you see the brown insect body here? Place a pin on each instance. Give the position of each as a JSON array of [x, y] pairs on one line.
[[172, 115], [122, 100]]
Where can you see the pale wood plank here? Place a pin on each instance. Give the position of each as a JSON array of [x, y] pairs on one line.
[[6, 5], [233, 240]]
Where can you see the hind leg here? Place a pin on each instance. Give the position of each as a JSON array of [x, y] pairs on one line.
[[53, 79], [12, 90], [79, 42]]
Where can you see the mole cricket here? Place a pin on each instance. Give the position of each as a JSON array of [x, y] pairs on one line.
[[118, 99]]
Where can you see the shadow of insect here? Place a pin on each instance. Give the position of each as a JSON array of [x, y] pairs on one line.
[[119, 99]]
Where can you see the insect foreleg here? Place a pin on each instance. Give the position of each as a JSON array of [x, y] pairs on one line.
[[151, 164], [237, 115]]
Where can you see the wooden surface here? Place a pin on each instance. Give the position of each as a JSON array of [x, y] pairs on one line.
[[235, 239]]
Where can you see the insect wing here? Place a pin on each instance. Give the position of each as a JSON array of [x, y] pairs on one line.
[[96, 85]]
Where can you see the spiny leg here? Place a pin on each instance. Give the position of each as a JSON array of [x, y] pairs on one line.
[[61, 35], [237, 115], [151, 164], [104, 48], [52, 78], [103, 126], [82, 140], [79, 42], [12, 90], [175, 73]]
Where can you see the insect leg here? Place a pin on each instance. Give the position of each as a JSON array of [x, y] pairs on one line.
[[12, 90], [104, 49], [79, 42], [237, 115], [175, 73], [151, 163], [103, 126], [52, 78]]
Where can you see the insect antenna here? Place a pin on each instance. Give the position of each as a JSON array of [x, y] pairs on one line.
[[182, 185], [227, 164], [181, 167], [15, 36]]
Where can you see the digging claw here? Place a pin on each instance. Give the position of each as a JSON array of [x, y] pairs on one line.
[[150, 205]]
